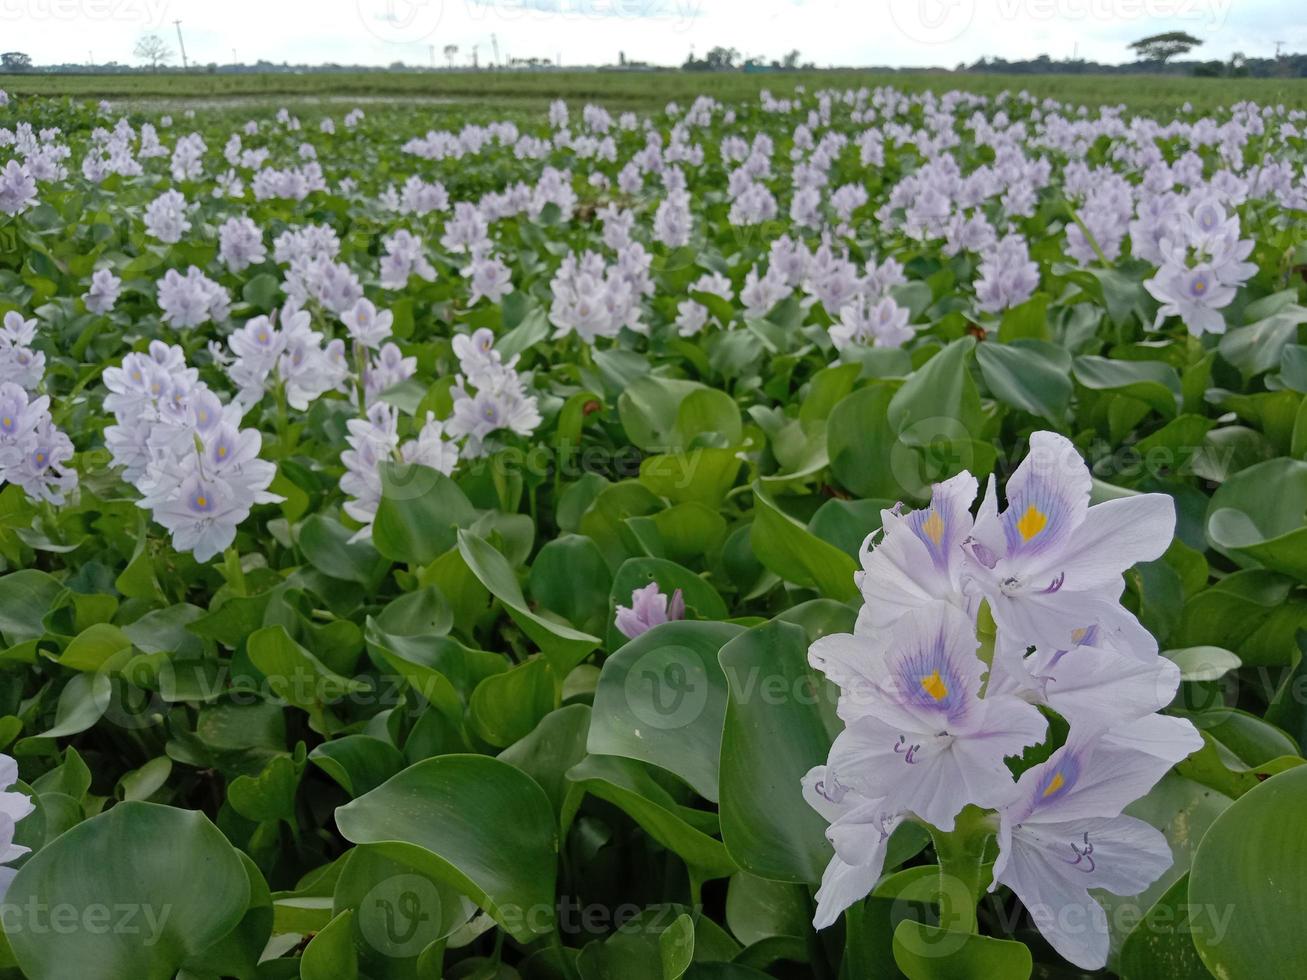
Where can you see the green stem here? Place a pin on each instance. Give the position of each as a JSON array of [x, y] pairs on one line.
[[963, 876], [1089, 236], [233, 573], [860, 958]]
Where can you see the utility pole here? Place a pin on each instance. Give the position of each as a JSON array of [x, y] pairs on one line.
[[494, 43], [181, 44], [475, 48]]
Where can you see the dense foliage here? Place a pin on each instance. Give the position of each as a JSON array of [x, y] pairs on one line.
[[847, 534]]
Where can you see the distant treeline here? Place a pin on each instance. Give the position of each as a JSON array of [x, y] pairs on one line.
[[1286, 66]]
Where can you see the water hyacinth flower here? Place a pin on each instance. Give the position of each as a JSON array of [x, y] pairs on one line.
[[649, 608], [192, 299], [14, 806], [367, 325], [19, 364], [1064, 834], [104, 292], [17, 188], [1195, 295], [918, 731], [1049, 565], [165, 218], [931, 729]]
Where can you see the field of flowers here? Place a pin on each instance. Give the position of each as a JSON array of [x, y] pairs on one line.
[[839, 534]]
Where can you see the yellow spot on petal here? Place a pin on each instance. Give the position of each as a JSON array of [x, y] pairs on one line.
[[1054, 784], [201, 501], [1031, 522], [222, 452], [934, 686], [1078, 634], [933, 526], [7, 421]]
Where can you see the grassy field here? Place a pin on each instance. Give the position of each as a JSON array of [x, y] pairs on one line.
[[1154, 94]]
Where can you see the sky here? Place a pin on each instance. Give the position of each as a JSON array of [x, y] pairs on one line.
[[898, 33]]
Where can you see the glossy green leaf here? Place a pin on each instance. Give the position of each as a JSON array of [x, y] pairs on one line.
[[477, 823]]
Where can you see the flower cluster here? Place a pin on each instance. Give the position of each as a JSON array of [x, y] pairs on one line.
[[489, 395], [33, 453], [293, 355], [933, 717], [197, 470], [374, 440], [1203, 265]]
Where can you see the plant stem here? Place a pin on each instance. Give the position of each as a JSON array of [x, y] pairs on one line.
[[963, 876]]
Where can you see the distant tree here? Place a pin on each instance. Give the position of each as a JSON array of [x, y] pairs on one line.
[[722, 59], [451, 51], [791, 60], [1163, 47], [153, 50], [15, 61]]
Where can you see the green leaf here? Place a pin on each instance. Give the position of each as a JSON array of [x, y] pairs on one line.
[[661, 699], [570, 577], [419, 515], [327, 546], [788, 549], [140, 857], [626, 784], [25, 597], [926, 952], [331, 954], [94, 646], [666, 414], [506, 707], [939, 389], [1030, 375], [549, 751], [479, 824], [400, 908], [271, 794], [293, 673], [774, 733], [1256, 517], [703, 475], [1252, 865], [1203, 663], [1153, 382], [564, 646], [359, 763], [1162, 944], [1257, 347]]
